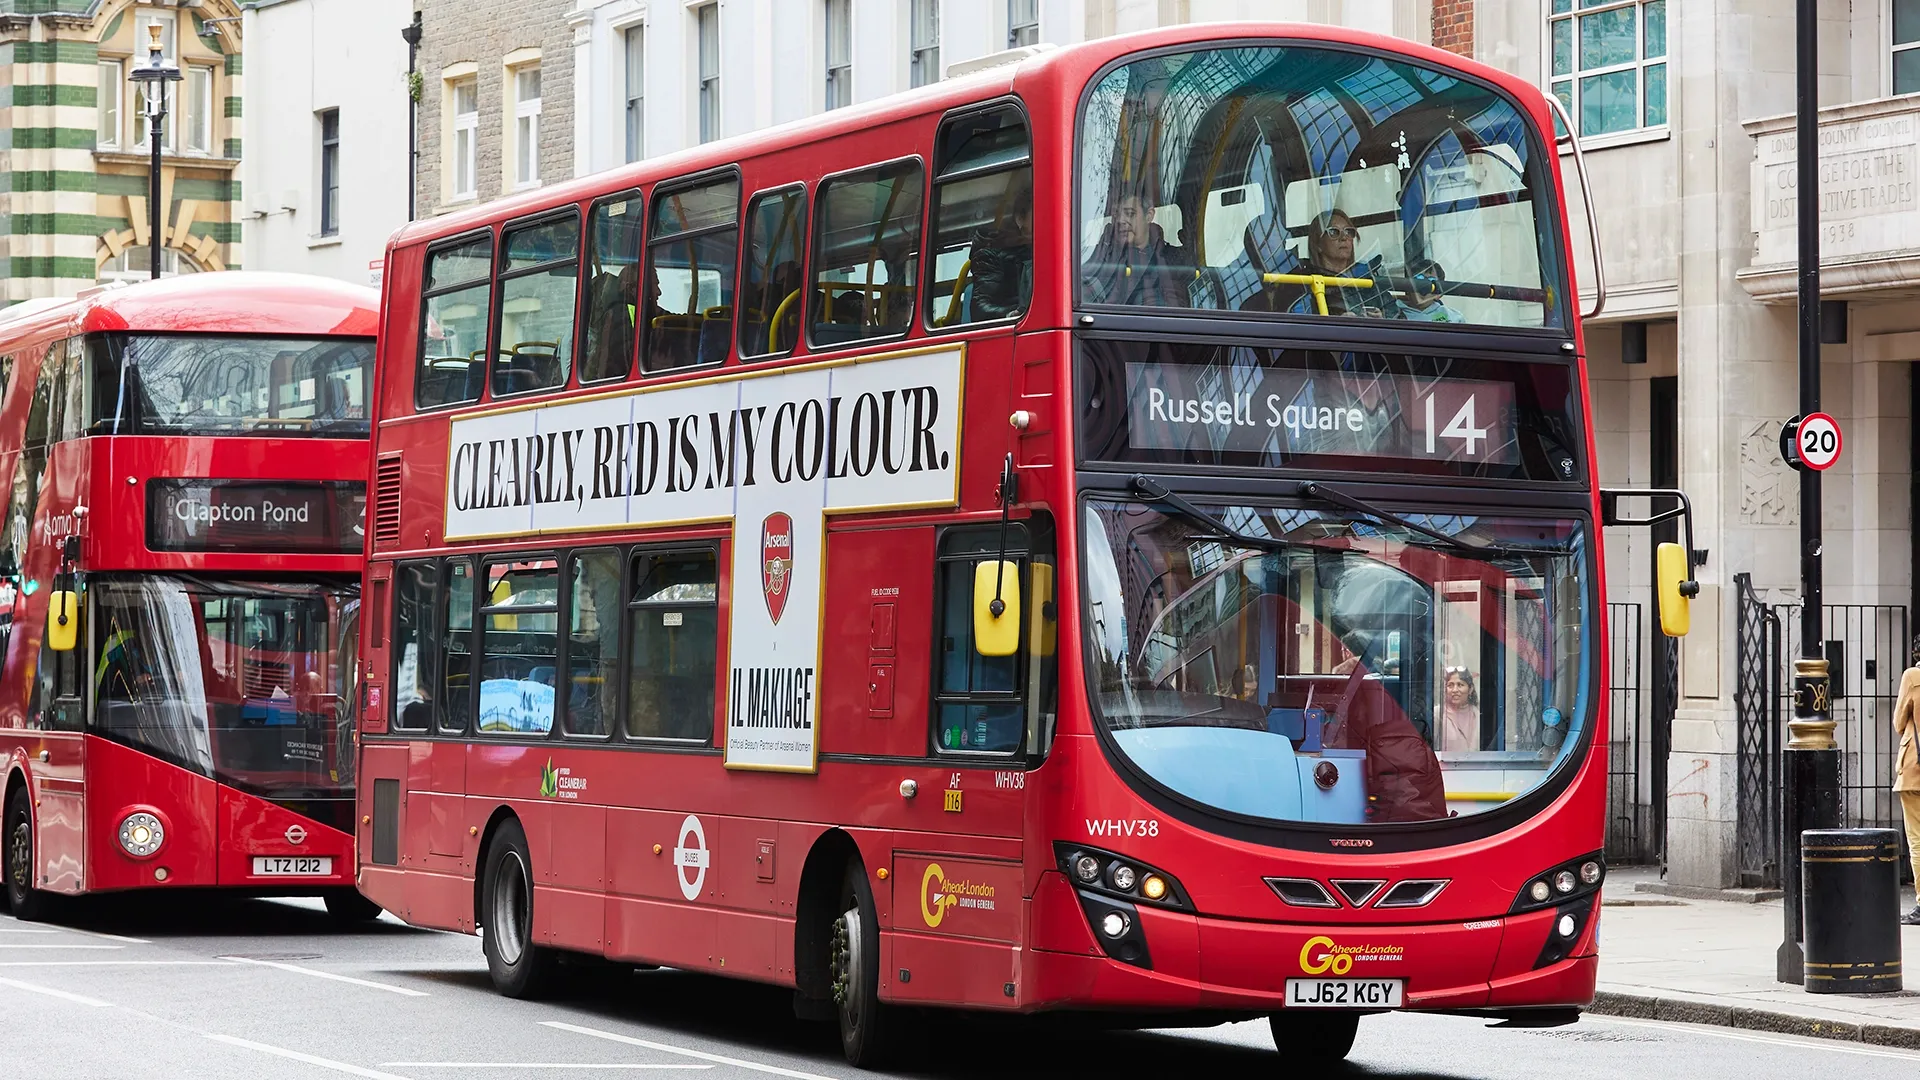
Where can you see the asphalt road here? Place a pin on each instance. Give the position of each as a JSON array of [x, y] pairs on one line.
[[206, 989]]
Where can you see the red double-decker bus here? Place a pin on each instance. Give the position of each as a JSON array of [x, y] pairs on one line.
[[179, 573], [1116, 532]]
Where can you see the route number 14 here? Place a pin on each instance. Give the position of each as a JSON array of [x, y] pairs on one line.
[[1462, 427]]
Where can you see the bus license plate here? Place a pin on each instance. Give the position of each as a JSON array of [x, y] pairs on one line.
[[292, 865], [1344, 993]]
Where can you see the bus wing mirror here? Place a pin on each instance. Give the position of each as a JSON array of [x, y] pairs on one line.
[[996, 607], [63, 621], [1675, 589]]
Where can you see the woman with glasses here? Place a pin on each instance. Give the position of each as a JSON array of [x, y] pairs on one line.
[[1457, 718]]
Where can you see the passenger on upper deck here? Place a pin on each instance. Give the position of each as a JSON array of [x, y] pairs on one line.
[[1132, 264], [1001, 262]]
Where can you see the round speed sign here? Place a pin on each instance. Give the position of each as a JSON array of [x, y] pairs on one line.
[[1818, 437]]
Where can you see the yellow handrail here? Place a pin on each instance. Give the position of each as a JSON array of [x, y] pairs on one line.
[[1318, 283], [779, 313], [1479, 796], [959, 286]]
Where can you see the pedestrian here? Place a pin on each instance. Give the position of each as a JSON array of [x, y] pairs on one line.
[[1906, 770]]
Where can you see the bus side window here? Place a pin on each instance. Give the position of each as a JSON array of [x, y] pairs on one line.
[[688, 289], [456, 674], [591, 690], [770, 287], [70, 390], [610, 306], [417, 642], [539, 272], [674, 646], [866, 254], [519, 647], [981, 250], [455, 314], [979, 702]]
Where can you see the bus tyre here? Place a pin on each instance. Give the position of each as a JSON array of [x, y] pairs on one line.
[[866, 1025], [348, 906], [29, 904], [519, 968], [1314, 1038]]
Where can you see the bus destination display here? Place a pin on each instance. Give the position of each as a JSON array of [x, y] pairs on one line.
[[1181, 408], [226, 515]]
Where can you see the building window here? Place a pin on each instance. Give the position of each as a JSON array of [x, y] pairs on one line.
[[466, 138], [1906, 46], [112, 92], [196, 123], [635, 40], [839, 25], [923, 42], [707, 21], [526, 126], [1023, 23], [330, 172], [1609, 63]]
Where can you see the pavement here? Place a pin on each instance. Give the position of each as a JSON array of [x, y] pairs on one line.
[[1711, 961], [152, 987]]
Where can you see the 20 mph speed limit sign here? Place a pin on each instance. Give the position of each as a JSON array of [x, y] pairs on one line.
[[1812, 442]]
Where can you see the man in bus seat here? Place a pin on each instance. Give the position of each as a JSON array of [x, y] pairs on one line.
[[1132, 264], [614, 297], [1404, 782], [1000, 263]]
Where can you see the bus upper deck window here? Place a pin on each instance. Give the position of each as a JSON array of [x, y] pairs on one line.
[[538, 276], [613, 289], [688, 290], [981, 253], [457, 311], [770, 290], [866, 254]]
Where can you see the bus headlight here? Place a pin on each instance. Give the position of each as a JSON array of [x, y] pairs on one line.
[[141, 834]]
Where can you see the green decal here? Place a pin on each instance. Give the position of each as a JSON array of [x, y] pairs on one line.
[[549, 781]]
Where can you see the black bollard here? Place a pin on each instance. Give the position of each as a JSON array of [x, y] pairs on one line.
[[1850, 881]]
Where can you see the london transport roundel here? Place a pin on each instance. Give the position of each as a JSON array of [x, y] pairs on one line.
[[1819, 441]]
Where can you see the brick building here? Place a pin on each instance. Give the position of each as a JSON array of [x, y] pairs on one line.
[[73, 142], [496, 99]]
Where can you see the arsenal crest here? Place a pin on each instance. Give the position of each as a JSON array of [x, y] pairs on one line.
[[776, 561]]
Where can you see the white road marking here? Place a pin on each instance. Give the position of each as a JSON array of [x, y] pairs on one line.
[[113, 937], [1834, 1045], [528, 1065], [77, 999], [62, 945], [112, 963], [295, 1055], [665, 1049], [388, 987]]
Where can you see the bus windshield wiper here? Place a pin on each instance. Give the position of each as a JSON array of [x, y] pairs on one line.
[[1312, 489], [1155, 494]]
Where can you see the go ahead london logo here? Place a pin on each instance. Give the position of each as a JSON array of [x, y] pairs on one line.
[[776, 567]]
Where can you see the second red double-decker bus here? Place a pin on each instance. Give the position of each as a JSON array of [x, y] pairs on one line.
[[179, 582], [1115, 532]]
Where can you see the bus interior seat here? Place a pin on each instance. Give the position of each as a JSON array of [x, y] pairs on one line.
[[716, 334]]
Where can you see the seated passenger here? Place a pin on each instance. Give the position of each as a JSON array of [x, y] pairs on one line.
[[1132, 264], [1001, 263], [1330, 251], [1424, 301]]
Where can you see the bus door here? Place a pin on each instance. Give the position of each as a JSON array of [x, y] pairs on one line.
[[446, 820]]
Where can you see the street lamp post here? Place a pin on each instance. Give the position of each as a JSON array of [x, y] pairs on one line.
[[153, 77], [1811, 771]]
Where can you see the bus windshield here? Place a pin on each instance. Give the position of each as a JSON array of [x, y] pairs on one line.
[[1343, 670], [250, 683], [1315, 182], [208, 384]]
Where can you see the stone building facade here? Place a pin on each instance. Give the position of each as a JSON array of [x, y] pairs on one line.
[[496, 99], [74, 187]]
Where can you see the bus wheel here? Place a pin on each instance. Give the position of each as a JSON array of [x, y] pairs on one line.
[[1314, 1039], [520, 969], [29, 903], [866, 1025], [348, 906]]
